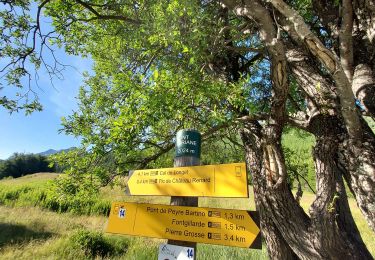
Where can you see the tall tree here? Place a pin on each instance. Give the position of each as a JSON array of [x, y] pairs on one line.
[[221, 67]]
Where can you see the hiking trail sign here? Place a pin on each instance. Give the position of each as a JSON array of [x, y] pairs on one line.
[[239, 228], [223, 180]]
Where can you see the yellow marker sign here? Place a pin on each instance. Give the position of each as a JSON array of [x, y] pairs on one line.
[[202, 225], [224, 180]]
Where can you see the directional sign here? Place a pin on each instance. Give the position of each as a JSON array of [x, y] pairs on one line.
[[202, 225], [223, 180]]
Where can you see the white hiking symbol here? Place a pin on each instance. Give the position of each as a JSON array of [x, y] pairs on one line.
[[121, 213]]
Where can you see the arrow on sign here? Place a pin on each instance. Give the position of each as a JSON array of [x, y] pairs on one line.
[[227, 227], [224, 180]]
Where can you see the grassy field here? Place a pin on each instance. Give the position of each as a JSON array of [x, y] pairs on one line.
[[28, 232]]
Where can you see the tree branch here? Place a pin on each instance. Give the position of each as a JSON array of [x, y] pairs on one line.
[[330, 62], [346, 39], [249, 118], [99, 16], [298, 122]]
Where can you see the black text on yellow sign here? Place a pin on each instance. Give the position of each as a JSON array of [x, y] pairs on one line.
[[227, 227], [224, 180]]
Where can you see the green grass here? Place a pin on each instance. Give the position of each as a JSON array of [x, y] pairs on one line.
[[297, 146], [364, 229], [28, 232], [32, 180], [370, 122], [59, 233], [41, 234], [37, 190]]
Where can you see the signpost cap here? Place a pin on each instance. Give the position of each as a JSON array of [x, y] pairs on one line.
[[188, 143]]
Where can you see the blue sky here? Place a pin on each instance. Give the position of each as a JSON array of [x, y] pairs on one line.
[[39, 131]]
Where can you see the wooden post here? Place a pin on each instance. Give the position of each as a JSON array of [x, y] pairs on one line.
[[188, 151]]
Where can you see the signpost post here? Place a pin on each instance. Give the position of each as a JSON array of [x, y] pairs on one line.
[[188, 153]]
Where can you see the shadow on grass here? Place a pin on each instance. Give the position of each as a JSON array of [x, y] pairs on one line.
[[18, 234]]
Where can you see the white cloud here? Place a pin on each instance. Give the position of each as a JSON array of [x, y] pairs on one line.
[[62, 96]]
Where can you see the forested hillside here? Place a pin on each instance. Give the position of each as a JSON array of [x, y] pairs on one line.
[[20, 164]]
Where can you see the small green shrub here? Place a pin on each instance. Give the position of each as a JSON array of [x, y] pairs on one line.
[[101, 207], [10, 195], [94, 244], [47, 196]]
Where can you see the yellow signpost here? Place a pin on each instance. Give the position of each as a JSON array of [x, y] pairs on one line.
[[224, 180], [202, 225]]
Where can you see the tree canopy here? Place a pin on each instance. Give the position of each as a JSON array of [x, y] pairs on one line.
[[23, 164]]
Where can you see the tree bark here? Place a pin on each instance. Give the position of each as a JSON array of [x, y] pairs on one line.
[[277, 247], [365, 11], [361, 36], [319, 236], [356, 156], [331, 62], [345, 221], [359, 160], [330, 213], [326, 125], [346, 39], [364, 88]]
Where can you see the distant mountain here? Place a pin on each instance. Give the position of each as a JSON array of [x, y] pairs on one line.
[[53, 151]]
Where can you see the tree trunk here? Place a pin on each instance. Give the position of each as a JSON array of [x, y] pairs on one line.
[[360, 147], [322, 235], [330, 213], [357, 157], [359, 160], [277, 204], [277, 247], [345, 221], [364, 88]]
